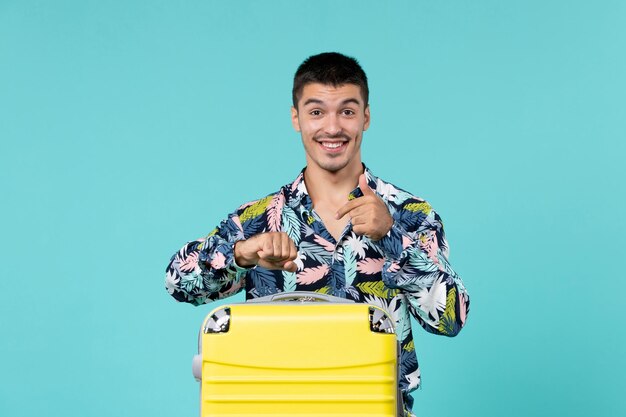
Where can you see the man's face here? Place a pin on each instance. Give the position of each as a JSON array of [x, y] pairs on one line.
[[331, 121]]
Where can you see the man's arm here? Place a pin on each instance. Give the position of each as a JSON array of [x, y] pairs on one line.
[[416, 262], [215, 267], [204, 270], [416, 258]]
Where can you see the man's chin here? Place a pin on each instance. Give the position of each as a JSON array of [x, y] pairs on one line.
[[329, 164], [334, 168]]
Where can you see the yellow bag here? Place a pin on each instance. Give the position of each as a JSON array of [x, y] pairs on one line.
[[298, 358]]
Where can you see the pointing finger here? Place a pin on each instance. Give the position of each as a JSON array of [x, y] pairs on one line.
[[348, 207]]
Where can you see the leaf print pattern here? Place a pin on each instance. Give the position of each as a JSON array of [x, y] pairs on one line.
[[422, 262], [386, 191], [254, 226], [376, 288], [290, 224], [356, 244], [428, 244], [370, 266], [264, 281], [403, 326], [315, 253], [407, 272], [255, 210], [190, 263], [171, 281], [218, 261], [421, 207], [324, 243], [462, 309], [448, 320], [433, 300], [349, 262], [289, 281], [274, 213], [310, 275], [337, 279]]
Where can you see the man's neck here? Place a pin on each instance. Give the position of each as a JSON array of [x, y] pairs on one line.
[[331, 188]]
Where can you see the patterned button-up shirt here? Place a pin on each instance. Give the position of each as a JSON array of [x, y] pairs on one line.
[[406, 272]]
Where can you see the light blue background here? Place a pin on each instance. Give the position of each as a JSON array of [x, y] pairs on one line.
[[128, 128]]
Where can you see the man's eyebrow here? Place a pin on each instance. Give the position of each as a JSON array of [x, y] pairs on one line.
[[351, 100], [318, 101], [313, 100]]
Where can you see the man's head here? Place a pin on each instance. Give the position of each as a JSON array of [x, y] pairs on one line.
[[330, 68], [331, 112]]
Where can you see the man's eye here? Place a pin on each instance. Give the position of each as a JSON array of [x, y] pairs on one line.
[[315, 112], [348, 112]]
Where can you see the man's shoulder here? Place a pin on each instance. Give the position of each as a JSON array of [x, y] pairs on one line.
[[271, 204], [396, 196], [407, 209], [262, 203]]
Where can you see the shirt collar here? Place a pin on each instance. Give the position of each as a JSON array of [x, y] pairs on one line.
[[298, 194]]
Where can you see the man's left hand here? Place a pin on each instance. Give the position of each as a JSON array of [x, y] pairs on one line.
[[369, 213]]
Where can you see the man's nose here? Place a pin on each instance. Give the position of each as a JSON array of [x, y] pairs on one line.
[[332, 127]]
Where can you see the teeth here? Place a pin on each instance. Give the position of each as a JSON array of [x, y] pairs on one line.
[[332, 145]]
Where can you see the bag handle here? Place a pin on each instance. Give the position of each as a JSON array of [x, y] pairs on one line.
[[302, 296]]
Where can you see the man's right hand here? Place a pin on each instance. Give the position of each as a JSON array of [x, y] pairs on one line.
[[272, 250]]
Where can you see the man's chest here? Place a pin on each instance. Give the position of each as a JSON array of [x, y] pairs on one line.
[[334, 226]]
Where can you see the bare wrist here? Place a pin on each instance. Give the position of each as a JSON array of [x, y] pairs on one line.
[[240, 257]]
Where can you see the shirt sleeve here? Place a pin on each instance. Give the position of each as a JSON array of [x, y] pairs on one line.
[[204, 270], [416, 262]]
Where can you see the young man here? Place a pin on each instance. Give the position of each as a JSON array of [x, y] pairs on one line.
[[336, 229]]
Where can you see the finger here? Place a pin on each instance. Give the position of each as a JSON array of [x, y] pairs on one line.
[[359, 223], [357, 220], [276, 243], [293, 251], [290, 266], [268, 247], [266, 251], [267, 264], [270, 257], [364, 186], [358, 211], [285, 244], [264, 256], [359, 229], [283, 265], [349, 206]]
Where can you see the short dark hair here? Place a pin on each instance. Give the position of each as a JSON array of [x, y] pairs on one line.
[[330, 68]]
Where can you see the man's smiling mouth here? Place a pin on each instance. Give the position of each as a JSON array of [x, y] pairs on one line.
[[333, 146]]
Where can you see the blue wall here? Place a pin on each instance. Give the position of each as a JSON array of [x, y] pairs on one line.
[[128, 128]]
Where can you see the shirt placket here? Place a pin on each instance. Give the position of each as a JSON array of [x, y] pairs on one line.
[[337, 279]]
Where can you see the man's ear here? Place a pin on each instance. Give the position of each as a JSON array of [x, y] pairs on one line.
[[366, 123], [294, 119]]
